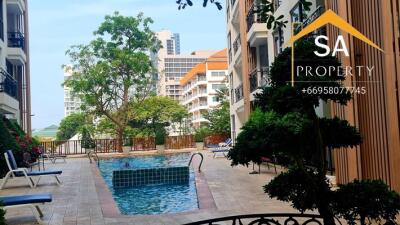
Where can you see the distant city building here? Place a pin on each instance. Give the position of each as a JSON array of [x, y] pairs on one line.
[[201, 84], [15, 98], [72, 104], [170, 43], [172, 65], [175, 67]]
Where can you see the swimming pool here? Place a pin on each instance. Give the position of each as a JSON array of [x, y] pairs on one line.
[[152, 198]]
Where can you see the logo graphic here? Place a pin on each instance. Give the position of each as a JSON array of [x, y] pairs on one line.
[[329, 17]]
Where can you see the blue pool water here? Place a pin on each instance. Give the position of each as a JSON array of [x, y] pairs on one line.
[[151, 199]]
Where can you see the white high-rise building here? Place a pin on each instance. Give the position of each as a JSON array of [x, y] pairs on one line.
[[72, 104]]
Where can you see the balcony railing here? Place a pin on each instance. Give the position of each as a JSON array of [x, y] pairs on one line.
[[1, 29], [8, 84], [239, 93], [265, 78], [253, 16], [16, 40], [253, 80], [318, 12], [236, 45]]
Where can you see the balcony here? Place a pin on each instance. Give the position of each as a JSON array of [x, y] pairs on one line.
[[8, 84], [239, 93], [265, 78], [236, 45], [253, 80], [256, 30], [16, 40], [317, 13], [16, 48]]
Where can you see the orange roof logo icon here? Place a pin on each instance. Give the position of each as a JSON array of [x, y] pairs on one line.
[[330, 17]]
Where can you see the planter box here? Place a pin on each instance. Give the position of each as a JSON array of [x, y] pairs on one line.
[[160, 148], [126, 149], [199, 145]]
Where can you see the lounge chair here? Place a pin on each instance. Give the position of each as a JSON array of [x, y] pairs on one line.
[[28, 201], [53, 157], [223, 148], [226, 143], [23, 172]]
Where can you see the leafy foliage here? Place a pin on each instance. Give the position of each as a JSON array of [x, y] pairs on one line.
[[202, 133], [219, 119], [183, 3], [2, 216], [70, 126], [286, 124], [113, 70], [155, 113], [299, 187], [366, 201]]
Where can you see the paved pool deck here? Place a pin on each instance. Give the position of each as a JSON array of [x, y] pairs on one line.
[[80, 202]]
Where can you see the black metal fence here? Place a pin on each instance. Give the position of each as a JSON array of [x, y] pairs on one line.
[[265, 219], [8, 84], [74, 147]]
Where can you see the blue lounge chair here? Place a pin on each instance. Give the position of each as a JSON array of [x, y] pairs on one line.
[[29, 201], [223, 148], [23, 172]]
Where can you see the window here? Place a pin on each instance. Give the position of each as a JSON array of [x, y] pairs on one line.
[[215, 99], [218, 86], [296, 14], [218, 74]]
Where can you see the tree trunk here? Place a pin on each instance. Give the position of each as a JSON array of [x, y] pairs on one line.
[[120, 135]]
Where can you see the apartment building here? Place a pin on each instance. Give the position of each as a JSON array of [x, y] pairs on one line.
[[252, 48], [376, 113], [201, 84], [14, 62], [72, 104]]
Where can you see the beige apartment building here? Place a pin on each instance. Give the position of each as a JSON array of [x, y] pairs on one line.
[[14, 62], [200, 86], [252, 48]]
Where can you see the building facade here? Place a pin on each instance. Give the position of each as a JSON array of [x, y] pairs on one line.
[[200, 86], [170, 43], [375, 114], [15, 100], [252, 49], [175, 67], [72, 104]]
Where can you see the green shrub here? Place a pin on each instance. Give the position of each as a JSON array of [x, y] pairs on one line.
[[366, 201], [302, 188], [2, 216], [160, 136], [7, 142], [201, 133]]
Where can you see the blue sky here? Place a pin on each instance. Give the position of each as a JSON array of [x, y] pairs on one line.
[[56, 25]]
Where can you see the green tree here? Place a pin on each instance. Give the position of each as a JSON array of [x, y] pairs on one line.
[[155, 113], [287, 124], [114, 70], [71, 125], [219, 119]]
